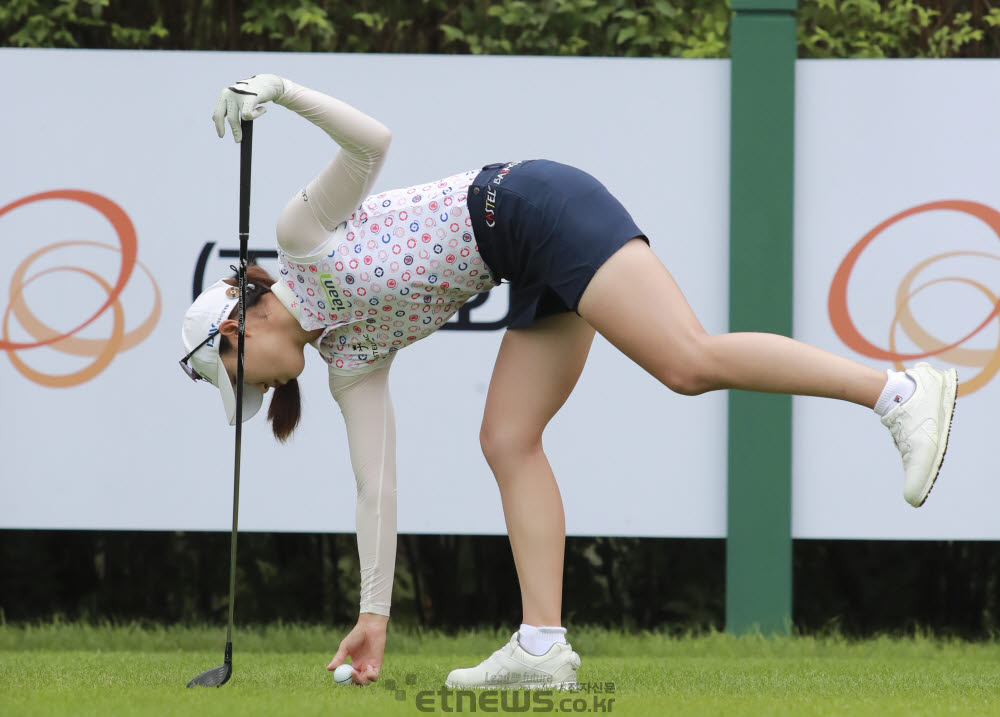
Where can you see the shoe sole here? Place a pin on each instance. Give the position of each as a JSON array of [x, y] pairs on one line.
[[516, 686], [951, 382]]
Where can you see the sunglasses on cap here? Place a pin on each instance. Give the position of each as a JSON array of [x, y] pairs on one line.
[[195, 376]]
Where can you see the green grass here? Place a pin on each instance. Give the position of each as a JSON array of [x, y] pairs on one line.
[[122, 670]]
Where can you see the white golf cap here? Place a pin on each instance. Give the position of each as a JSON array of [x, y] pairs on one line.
[[202, 319]]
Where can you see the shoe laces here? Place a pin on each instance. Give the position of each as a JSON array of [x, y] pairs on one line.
[[512, 641], [896, 429]]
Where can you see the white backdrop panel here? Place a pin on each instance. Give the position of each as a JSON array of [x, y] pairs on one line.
[[141, 447], [875, 138]]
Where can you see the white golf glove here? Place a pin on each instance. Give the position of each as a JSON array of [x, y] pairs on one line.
[[241, 100]]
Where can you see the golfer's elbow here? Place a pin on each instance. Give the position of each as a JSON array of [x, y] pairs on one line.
[[381, 139]]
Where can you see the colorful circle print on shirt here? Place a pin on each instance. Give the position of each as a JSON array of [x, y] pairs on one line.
[[402, 264]]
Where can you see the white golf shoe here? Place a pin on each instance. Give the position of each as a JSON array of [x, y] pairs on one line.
[[920, 427], [511, 667]]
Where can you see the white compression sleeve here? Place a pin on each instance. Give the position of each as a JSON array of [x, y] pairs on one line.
[[333, 196], [371, 434]]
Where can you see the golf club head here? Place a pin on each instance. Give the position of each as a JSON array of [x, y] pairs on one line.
[[217, 676]]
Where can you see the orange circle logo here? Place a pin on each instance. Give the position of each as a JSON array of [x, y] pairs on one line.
[[952, 352], [102, 350]]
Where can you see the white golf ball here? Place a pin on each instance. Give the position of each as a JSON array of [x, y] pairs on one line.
[[342, 675]]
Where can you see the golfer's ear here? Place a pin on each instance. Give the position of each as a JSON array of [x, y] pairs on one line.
[[230, 328]]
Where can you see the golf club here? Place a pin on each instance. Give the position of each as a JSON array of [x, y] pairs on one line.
[[218, 676]]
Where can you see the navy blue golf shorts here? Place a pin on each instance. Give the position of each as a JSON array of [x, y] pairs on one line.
[[546, 228]]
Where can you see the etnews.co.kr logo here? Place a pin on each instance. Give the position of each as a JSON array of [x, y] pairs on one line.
[[42, 335], [952, 351]]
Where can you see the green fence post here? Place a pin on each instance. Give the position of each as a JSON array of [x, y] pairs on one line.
[[759, 542]]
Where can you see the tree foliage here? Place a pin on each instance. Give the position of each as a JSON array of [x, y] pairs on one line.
[[898, 28], [629, 28]]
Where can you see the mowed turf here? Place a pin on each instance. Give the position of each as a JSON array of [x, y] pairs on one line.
[[279, 670]]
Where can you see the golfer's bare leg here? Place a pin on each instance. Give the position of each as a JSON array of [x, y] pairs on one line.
[[635, 304], [536, 369]]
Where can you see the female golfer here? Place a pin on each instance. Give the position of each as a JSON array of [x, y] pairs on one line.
[[363, 275]]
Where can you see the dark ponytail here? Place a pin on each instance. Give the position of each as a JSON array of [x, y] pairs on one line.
[[285, 410], [286, 406]]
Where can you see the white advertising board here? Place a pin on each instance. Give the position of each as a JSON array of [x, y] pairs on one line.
[[123, 185], [897, 221]]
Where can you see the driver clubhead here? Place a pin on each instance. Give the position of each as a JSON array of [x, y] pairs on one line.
[[216, 677]]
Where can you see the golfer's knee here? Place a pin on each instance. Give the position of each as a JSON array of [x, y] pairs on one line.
[[506, 440]]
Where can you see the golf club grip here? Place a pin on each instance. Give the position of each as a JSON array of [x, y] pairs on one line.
[[246, 149]]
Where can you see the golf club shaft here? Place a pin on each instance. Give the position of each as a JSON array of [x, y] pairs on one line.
[[246, 146]]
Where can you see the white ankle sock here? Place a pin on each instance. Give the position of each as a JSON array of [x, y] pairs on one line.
[[538, 640], [897, 389]]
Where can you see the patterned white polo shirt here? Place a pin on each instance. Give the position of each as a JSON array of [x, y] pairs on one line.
[[390, 275]]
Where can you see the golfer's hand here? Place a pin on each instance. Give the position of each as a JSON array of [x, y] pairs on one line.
[[365, 644], [245, 100]]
